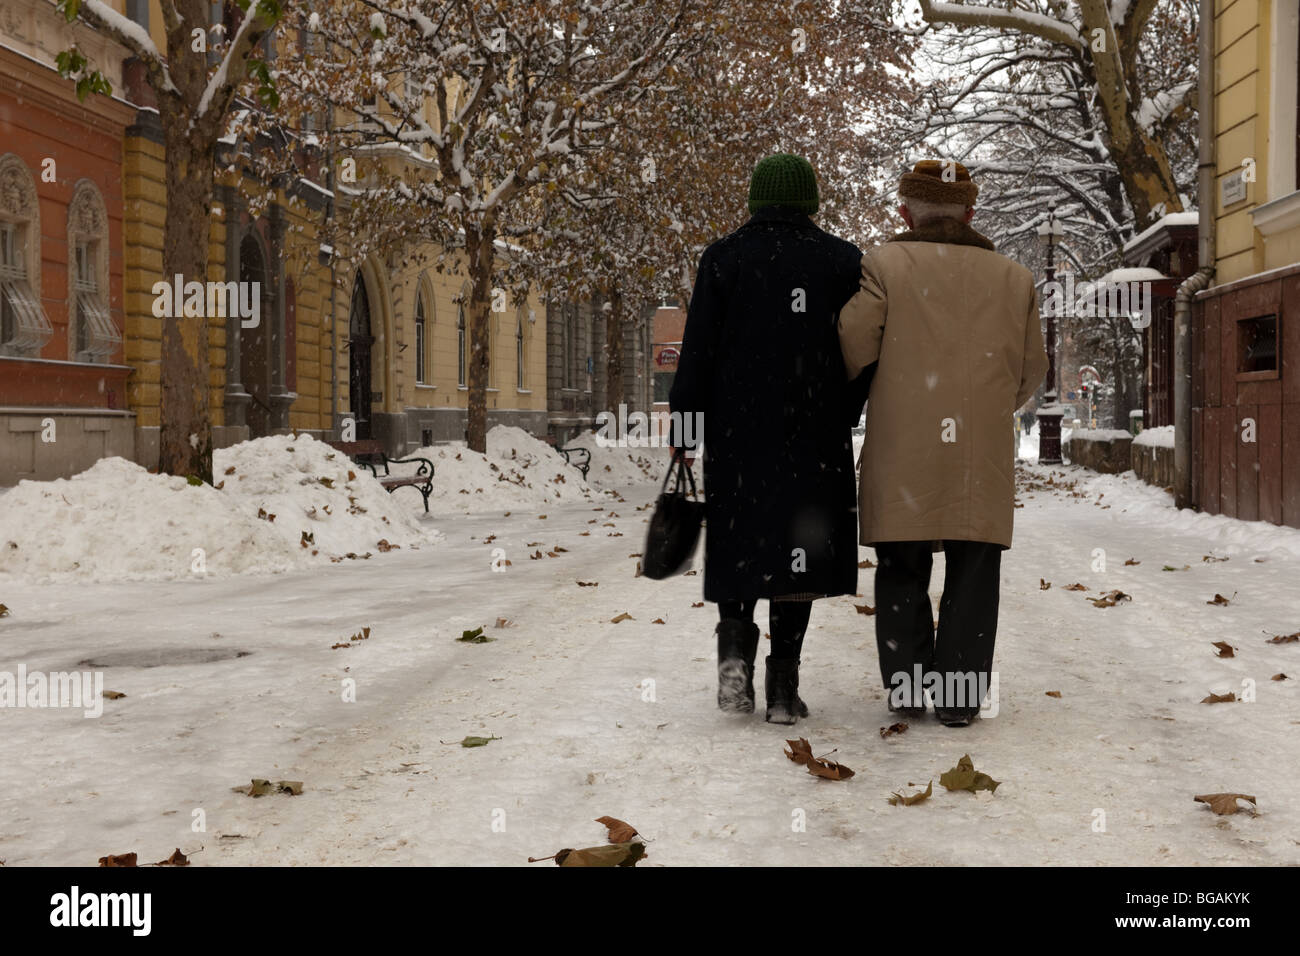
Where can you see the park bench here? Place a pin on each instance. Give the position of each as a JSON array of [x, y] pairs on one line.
[[370, 454], [575, 455]]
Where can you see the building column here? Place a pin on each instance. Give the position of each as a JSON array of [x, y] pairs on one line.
[[280, 396]]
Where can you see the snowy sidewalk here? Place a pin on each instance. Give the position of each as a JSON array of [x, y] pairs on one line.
[[236, 678]]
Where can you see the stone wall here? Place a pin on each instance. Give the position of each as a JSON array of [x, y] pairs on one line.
[[1107, 452]]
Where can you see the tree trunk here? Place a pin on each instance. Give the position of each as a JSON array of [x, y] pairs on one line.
[[479, 247], [614, 350], [185, 440]]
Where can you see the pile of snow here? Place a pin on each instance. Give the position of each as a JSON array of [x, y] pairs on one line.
[[521, 471], [278, 503], [1145, 504], [1162, 436]]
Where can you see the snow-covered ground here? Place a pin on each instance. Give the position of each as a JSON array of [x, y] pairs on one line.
[[232, 677]]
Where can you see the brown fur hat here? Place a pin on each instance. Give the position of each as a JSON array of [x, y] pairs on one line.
[[927, 181]]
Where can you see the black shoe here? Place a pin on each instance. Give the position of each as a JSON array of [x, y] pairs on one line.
[[954, 717], [737, 648], [782, 685]]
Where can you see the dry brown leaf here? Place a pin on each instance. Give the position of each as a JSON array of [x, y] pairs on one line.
[[866, 609], [1285, 638], [1229, 698], [828, 769], [697, 604], [658, 620], [176, 859], [588, 584], [1110, 599], [1053, 693], [908, 800], [1131, 561], [1076, 587], [113, 695], [867, 563], [800, 750], [1224, 804], [619, 832], [1278, 677], [1224, 649], [1221, 601], [121, 859], [898, 728], [622, 617], [1044, 584]]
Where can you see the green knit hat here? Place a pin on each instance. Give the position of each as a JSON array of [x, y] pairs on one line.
[[784, 180]]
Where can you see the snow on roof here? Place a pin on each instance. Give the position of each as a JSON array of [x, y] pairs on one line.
[[1190, 218], [1133, 274]]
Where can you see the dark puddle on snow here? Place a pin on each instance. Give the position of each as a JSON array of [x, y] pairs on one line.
[[162, 657]]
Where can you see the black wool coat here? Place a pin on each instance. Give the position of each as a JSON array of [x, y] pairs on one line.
[[761, 361]]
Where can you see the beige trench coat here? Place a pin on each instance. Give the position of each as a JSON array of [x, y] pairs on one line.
[[956, 331]]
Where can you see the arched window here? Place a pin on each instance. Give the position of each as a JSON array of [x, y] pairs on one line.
[[460, 343], [92, 336], [421, 338], [24, 329]]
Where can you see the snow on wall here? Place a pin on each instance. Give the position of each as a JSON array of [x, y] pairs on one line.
[[1159, 437]]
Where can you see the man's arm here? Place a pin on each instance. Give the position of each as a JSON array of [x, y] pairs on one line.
[[1034, 365], [862, 321]]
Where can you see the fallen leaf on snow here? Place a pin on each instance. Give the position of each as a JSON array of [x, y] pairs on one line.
[[614, 854], [1228, 698], [1224, 649], [898, 728], [122, 859], [964, 776], [866, 609], [619, 832], [1053, 693], [1285, 638], [1225, 803], [908, 800], [622, 617], [1221, 601]]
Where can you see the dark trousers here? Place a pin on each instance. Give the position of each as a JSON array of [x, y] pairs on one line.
[[955, 664], [787, 623]]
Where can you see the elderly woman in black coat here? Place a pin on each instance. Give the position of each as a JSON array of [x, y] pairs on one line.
[[761, 366]]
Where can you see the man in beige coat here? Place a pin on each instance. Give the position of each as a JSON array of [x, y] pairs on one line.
[[954, 327]]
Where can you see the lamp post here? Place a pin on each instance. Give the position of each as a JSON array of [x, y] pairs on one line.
[[1049, 413]]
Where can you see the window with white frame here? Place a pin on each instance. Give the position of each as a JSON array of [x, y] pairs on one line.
[[92, 336], [24, 329]]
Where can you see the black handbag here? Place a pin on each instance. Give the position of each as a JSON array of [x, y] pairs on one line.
[[675, 525]]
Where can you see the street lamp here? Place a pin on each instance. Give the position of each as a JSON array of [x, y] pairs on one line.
[[1049, 413]]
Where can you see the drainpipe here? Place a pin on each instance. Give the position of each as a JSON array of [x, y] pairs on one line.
[[1205, 178]]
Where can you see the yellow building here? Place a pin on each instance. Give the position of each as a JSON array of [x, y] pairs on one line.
[[1245, 350], [381, 344]]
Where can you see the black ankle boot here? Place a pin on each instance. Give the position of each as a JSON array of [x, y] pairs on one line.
[[782, 684], [737, 647]]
